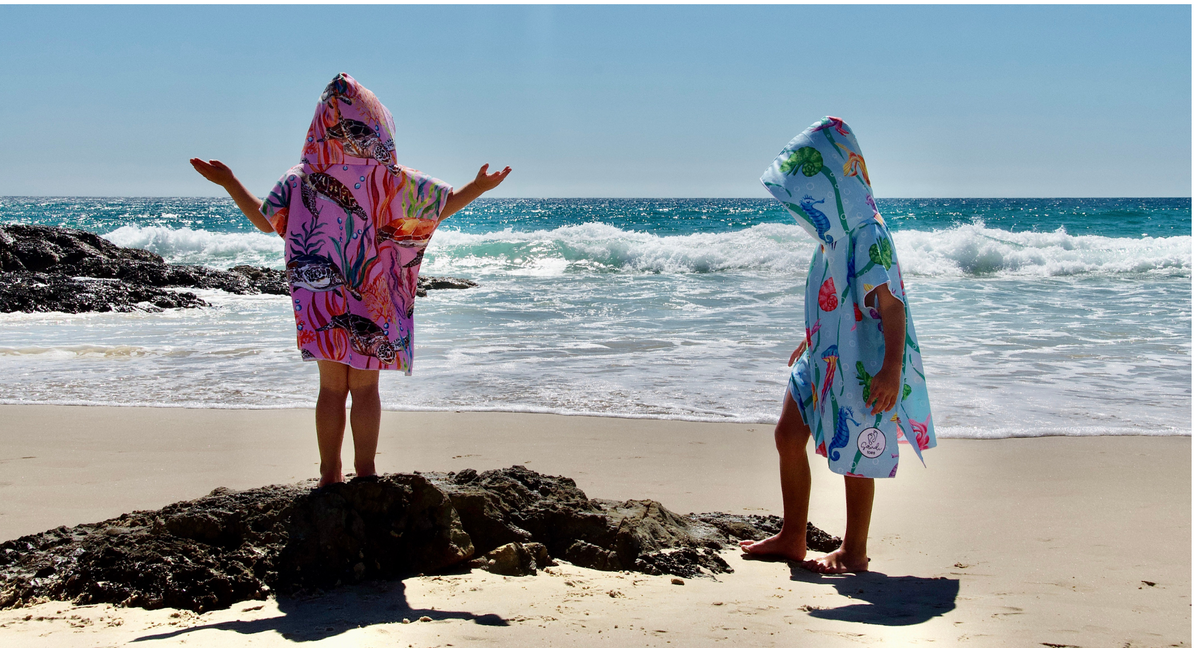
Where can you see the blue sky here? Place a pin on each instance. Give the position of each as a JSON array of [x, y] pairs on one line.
[[622, 101]]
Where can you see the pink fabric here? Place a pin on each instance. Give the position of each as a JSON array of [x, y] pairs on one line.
[[356, 226]]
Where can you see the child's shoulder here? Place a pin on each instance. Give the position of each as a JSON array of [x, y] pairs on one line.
[[872, 231]]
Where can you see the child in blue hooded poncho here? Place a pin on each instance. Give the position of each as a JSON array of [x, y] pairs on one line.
[[857, 385]]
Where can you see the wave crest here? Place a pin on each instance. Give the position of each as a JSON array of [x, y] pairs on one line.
[[966, 250], [202, 247]]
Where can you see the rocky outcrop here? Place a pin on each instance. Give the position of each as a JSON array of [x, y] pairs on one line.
[[375, 529], [59, 269], [232, 546]]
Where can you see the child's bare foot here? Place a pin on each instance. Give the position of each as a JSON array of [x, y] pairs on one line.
[[838, 562], [777, 545], [330, 476]]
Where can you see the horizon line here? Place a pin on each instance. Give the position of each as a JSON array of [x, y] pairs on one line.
[[2, 197]]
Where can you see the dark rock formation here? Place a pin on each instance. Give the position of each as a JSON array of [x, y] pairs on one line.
[[374, 529], [515, 559], [199, 555], [425, 284], [40, 292], [518, 505], [232, 546], [44, 266]]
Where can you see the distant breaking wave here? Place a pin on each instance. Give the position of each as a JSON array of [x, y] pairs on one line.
[[202, 247], [965, 250]]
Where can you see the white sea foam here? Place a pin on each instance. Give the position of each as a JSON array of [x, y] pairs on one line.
[[978, 250], [604, 248], [966, 250], [962, 251], [203, 247]]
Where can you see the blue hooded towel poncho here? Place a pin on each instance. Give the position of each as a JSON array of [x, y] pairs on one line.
[[821, 178]]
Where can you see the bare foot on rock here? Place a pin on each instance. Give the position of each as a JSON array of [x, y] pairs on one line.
[[777, 545], [333, 478], [838, 562]]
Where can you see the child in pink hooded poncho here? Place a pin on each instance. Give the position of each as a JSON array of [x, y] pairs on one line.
[[356, 225]]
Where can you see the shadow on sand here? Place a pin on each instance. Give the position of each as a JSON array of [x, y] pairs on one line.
[[887, 600], [331, 614]]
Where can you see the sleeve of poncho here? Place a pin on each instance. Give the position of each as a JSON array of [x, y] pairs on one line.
[[425, 196], [275, 206], [875, 261]]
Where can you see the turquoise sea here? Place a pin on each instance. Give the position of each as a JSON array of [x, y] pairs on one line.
[[1036, 316]]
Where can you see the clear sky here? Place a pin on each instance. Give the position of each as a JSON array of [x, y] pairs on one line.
[[619, 101]]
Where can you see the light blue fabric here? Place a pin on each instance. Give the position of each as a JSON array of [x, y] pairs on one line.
[[844, 334], [821, 178], [800, 388]]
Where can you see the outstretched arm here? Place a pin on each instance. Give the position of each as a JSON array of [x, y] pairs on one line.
[[217, 173], [462, 196], [885, 386]]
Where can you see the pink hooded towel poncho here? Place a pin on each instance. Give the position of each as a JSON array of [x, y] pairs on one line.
[[356, 225]]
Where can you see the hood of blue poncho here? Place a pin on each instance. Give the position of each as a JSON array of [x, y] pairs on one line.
[[821, 178]]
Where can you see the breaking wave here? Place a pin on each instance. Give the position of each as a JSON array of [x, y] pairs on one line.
[[965, 250]]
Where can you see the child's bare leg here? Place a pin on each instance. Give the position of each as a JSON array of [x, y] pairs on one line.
[[331, 419], [852, 555], [364, 419], [795, 480]]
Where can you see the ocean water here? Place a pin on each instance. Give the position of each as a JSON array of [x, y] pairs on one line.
[[1035, 316]]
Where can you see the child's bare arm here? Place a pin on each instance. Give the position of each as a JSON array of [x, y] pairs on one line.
[[217, 173], [796, 354], [462, 196], [885, 386]]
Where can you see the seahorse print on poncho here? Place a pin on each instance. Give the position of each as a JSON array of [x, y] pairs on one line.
[[819, 219], [841, 435]]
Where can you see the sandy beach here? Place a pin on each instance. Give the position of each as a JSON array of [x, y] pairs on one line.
[[1047, 541]]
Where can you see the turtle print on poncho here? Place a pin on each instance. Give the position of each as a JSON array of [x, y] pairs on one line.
[[356, 225], [821, 178]]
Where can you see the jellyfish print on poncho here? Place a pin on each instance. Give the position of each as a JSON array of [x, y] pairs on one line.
[[356, 225]]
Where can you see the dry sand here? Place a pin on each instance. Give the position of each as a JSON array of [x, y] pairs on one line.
[[1019, 542]]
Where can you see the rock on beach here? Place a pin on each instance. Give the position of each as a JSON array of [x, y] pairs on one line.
[[231, 546]]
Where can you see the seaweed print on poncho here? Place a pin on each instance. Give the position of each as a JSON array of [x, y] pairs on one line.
[[356, 226], [821, 178]]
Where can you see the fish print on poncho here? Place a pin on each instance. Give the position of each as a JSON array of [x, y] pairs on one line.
[[356, 225], [821, 178]]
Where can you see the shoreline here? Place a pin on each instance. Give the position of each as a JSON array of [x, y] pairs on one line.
[[1036, 434], [1018, 540]]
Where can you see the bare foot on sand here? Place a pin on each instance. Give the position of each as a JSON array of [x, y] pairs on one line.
[[838, 562], [776, 545]]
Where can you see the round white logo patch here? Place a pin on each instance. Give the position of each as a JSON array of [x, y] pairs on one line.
[[871, 442]]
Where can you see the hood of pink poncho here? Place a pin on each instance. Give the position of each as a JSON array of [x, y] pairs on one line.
[[350, 126]]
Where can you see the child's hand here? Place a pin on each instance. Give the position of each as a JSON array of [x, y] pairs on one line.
[[488, 181], [798, 352], [214, 171], [462, 196], [885, 387]]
